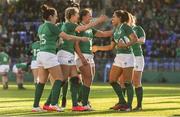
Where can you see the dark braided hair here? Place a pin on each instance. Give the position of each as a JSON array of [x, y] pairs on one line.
[[47, 11]]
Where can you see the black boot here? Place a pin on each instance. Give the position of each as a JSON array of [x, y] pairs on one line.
[[20, 87], [5, 86]]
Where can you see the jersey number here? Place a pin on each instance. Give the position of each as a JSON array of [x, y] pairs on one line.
[[5, 59], [35, 51], [42, 39]]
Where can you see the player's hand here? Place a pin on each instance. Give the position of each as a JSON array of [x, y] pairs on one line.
[[121, 44], [84, 39], [84, 61], [80, 28], [94, 49], [102, 18]]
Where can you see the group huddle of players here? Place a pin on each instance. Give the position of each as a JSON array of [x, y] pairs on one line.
[[65, 48]]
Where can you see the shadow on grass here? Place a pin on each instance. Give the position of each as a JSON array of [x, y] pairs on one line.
[[159, 109], [10, 101], [178, 115], [70, 113], [107, 93], [162, 102], [67, 113]]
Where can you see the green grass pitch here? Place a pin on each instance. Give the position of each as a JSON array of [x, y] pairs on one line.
[[159, 100]]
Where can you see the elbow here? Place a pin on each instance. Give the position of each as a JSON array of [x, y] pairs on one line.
[[103, 34], [111, 48], [65, 36], [142, 40], [135, 40]]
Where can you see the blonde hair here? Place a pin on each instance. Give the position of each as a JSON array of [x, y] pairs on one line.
[[70, 11], [132, 20]]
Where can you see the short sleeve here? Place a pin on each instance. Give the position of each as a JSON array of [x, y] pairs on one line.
[[69, 27], [140, 32], [59, 25], [94, 31], [128, 30], [54, 29]]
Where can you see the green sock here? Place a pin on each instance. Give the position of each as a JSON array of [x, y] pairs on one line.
[[130, 93], [139, 95], [64, 89], [55, 92], [48, 101], [38, 94], [80, 92], [118, 91], [74, 90], [35, 84], [124, 91], [85, 95], [20, 85], [5, 85]]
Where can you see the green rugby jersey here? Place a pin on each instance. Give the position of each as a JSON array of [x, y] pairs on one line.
[[86, 46], [35, 49], [137, 50], [4, 58], [122, 32], [60, 41], [48, 34], [68, 28], [22, 66], [177, 52]]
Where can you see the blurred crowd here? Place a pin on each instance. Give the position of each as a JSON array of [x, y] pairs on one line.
[[19, 21]]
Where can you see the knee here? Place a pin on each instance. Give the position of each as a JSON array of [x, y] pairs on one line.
[[128, 84], [74, 80], [4, 74], [42, 81], [121, 81], [136, 83], [87, 82], [112, 81], [64, 82]]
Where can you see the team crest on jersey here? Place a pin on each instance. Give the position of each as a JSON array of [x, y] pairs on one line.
[[119, 32], [125, 63], [70, 61]]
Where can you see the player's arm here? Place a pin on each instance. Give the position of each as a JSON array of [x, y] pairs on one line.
[[104, 48], [133, 39], [141, 40], [141, 35], [130, 34], [104, 33], [56, 30], [79, 53], [101, 19], [72, 37], [9, 61]]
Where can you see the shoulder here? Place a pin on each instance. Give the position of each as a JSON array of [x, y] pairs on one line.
[[138, 27], [36, 43], [40, 27], [69, 24], [59, 25], [50, 25], [125, 25]]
